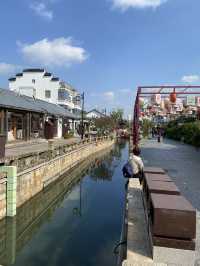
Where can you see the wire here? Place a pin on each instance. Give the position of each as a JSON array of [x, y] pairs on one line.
[[115, 251]]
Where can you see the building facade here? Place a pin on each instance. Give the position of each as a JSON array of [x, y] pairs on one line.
[[25, 118], [95, 114], [40, 84]]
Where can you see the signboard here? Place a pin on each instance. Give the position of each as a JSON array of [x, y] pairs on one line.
[[198, 101], [156, 99], [191, 100], [179, 105]]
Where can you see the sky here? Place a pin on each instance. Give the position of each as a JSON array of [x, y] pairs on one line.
[[105, 48]]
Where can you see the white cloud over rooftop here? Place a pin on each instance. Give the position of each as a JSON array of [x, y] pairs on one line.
[[57, 52], [6, 69]]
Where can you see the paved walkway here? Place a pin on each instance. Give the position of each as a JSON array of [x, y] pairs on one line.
[[33, 146], [182, 162]]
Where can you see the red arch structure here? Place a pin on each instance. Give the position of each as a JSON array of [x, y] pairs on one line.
[[148, 91]]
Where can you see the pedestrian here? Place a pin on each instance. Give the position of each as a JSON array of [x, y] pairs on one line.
[[158, 133], [137, 164]]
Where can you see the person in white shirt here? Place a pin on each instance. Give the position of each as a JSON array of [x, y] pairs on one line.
[[137, 164]]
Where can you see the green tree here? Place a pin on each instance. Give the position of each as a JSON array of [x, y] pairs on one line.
[[117, 115]]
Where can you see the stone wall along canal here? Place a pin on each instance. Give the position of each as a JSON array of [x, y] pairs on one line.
[[76, 221]]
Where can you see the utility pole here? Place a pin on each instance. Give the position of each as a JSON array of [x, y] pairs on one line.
[[82, 115]]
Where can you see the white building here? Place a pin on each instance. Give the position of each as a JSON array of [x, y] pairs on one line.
[[42, 85], [69, 98], [95, 114]]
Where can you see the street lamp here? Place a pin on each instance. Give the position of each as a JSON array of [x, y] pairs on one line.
[[82, 115]]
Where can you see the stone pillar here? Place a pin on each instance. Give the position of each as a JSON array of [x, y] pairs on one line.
[[11, 172]]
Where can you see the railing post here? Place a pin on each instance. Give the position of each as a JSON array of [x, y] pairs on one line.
[[11, 173]]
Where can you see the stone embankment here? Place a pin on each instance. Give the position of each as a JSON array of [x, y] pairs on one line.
[[29, 174]]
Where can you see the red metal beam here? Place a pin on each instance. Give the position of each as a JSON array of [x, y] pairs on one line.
[[166, 93], [169, 87]]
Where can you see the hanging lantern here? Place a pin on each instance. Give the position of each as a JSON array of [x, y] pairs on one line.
[[141, 102], [173, 97]]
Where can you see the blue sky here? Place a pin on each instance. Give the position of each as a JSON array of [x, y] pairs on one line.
[[103, 47]]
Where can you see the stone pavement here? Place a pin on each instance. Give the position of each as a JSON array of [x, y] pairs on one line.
[[35, 146], [182, 162]]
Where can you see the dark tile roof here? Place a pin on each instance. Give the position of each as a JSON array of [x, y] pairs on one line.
[[33, 70], [55, 79], [12, 79], [11, 100], [47, 74], [19, 74]]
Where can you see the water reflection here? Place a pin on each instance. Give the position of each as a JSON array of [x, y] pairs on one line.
[[35, 235]]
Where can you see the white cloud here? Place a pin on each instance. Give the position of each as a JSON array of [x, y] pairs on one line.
[[190, 78], [57, 52], [41, 10], [6, 69], [125, 91], [109, 95], [125, 4]]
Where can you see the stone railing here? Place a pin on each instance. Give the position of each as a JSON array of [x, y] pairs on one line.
[[30, 174], [31, 159]]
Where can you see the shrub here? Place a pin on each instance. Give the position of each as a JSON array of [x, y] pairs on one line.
[[188, 131]]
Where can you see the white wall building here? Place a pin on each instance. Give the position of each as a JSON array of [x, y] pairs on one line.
[[40, 84], [95, 114], [69, 98], [43, 85]]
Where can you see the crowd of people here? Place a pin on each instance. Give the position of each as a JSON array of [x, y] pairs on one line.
[[158, 132]]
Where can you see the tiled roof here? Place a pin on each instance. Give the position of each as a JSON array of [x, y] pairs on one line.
[[47, 74], [12, 79], [33, 70], [55, 79], [12, 100], [19, 74]]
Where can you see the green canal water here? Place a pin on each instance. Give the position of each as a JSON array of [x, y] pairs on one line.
[[71, 223]]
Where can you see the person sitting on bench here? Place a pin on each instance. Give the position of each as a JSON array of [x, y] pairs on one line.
[[137, 164]]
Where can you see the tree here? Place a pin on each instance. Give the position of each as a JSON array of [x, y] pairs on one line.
[[104, 124], [117, 115]]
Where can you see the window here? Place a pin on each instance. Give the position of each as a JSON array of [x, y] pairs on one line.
[[63, 95], [47, 94], [77, 100], [33, 80]]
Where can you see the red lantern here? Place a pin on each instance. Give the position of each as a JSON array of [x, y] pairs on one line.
[[173, 97]]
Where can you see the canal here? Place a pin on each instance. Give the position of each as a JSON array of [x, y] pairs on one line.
[[74, 222]]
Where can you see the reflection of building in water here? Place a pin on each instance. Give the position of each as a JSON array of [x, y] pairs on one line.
[[103, 167], [17, 232]]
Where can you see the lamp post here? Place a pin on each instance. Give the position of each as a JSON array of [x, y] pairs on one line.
[[82, 115]]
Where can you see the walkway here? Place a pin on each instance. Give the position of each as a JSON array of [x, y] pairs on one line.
[[182, 162], [35, 146]]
